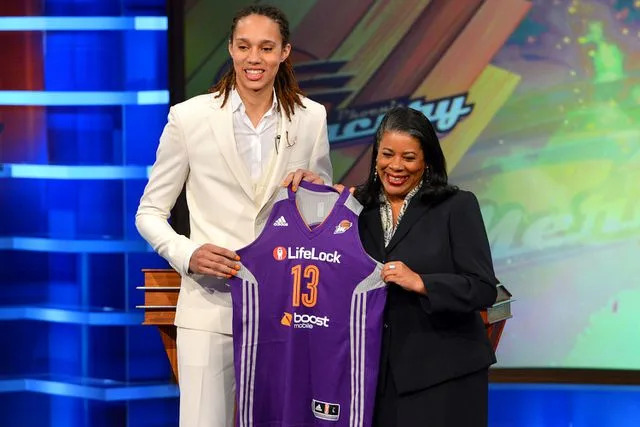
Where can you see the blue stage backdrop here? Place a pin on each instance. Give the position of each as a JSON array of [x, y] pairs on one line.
[[541, 122], [81, 107]]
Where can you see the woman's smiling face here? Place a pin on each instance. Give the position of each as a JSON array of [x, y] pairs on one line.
[[400, 164], [257, 50]]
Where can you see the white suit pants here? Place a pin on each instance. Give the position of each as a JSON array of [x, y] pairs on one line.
[[207, 382]]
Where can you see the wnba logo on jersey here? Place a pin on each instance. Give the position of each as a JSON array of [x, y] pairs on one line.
[[343, 226], [280, 253]]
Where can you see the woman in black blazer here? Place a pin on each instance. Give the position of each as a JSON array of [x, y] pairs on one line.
[[432, 241]]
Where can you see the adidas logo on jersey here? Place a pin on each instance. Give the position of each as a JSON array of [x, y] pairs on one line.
[[280, 222], [280, 253]]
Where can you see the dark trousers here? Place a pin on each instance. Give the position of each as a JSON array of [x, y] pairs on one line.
[[459, 402]]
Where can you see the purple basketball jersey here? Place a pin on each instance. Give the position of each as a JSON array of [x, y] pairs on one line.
[[308, 305]]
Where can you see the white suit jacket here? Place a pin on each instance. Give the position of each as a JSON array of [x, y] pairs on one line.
[[197, 147]]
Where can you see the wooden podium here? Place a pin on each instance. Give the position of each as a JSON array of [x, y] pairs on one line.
[[161, 288], [495, 317]]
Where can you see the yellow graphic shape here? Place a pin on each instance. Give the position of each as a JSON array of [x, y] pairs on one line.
[[474, 47], [286, 319], [488, 94], [373, 39]]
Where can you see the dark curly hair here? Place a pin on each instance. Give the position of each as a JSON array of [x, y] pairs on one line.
[[287, 90], [435, 187]]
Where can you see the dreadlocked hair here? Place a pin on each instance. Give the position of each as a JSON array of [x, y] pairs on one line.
[[286, 86]]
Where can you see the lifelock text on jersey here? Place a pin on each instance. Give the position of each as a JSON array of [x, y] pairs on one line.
[[300, 252]]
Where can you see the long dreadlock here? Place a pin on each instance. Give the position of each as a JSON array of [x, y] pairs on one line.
[[287, 90]]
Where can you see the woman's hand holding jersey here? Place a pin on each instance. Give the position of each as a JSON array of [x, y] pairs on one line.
[[294, 178], [214, 261]]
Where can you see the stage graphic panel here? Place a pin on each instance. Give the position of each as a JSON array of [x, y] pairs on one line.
[[537, 105]]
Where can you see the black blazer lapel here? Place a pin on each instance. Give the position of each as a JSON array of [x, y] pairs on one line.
[[413, 213], [370, 220]]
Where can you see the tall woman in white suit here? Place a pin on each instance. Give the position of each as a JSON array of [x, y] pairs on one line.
[[233, 148]]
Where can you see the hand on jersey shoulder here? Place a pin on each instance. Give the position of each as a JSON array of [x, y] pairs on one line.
[[340, 188], [397, 272], [294, 178], [214, 261]]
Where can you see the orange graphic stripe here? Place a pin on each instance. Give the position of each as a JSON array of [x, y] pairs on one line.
[[474, 48], [489, 92], [324, 28], [374, 38], [418, 52]]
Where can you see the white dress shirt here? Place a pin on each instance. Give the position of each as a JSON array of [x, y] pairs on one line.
[[255, 144]]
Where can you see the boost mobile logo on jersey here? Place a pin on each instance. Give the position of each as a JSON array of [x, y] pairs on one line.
[[280, 253], [343, 226], [304, 321]]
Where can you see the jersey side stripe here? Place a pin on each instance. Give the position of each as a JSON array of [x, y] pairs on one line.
[[352, 357], [254, 347], [363, 324], [243, 356], [250, 344], [248, 330], [248, 350], [358, 344]]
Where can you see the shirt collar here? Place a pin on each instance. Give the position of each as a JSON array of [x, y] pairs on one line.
[[383, 197], [236, 102]]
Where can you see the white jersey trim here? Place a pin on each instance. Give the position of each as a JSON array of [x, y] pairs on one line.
[[250, 319]]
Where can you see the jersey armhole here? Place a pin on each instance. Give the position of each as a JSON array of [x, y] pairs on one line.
[[354, 206]]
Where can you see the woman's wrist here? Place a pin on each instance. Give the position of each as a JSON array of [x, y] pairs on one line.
[[419, 286]]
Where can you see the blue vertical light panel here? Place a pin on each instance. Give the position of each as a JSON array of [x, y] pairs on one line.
[[69, 252]]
